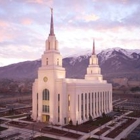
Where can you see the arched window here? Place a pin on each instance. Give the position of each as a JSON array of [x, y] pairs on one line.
[[46, 94]]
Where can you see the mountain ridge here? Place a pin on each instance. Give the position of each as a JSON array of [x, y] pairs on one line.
[[114, 63]]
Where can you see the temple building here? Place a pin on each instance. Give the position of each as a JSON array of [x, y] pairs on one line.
[[57, 99]]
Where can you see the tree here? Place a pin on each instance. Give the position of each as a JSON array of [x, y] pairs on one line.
[[103, 114]]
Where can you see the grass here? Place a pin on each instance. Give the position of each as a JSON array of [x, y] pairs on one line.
[[101, 121], [92, 139], [43, 138], [89, 125], [134, 114], [2, 128], [102, 131], [115, 132], [17, 116]]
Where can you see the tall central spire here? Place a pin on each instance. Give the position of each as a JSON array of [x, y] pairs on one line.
[[93, 51], [51, 24]]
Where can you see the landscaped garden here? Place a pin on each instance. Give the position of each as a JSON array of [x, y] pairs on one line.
[[100, 132], [120, 128], [89, 125], [92, 139], [12, 112], [134, 114], [43, 138], [59, 132], [112, 125], [2, 128], [28, 118], [17, 124], [2, 121], [10, 137], [17, 116]]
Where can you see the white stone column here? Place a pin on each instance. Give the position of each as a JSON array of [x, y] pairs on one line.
[[97, 103], [79, 113], [110, 101], [100, 106], [102, 101], [87, 105], [93, 104], [84, 106], [106, 102], [91, 109], [40, 106]]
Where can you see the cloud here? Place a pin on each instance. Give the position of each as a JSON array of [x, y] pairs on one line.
[[3, 23], [91, 18], [48, 3], [26, 21], [24, 25]]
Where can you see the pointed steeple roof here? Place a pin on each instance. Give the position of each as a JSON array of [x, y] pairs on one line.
[[93, 50], [51, 24]]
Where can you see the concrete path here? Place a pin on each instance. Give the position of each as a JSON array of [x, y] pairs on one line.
[[29, 133]]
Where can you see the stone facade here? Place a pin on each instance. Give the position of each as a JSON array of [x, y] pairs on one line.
[[57, 99]]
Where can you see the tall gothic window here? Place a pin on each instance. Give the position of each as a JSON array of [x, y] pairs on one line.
[[46, 108], [46, 94]]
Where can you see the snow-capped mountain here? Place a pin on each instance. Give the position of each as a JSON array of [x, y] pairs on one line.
[[109, 53], [114, 62]]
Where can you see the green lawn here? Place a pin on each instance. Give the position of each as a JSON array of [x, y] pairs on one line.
[[101, 121], [92, 139], [134, 114], [2, 128], [17, 116], [43, 138]]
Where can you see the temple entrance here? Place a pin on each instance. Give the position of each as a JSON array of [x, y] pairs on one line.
[[45, 118]]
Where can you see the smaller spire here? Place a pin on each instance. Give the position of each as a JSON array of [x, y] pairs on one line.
[[51, 24], [93, 50]]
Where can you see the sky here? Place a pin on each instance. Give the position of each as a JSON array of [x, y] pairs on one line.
[[24, 26]]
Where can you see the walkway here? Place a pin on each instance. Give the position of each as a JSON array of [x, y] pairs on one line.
[[26, 133]]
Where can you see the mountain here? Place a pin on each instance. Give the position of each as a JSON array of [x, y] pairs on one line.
[[119, 62], [114, 63]]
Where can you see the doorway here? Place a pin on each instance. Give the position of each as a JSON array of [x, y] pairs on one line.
[[45, 118]]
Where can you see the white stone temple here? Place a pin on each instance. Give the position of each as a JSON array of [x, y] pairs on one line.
[[57, 99]]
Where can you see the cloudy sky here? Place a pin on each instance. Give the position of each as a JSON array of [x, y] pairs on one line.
[[24, 26]]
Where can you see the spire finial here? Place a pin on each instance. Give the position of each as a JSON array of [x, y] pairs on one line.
[[51, 24], [93, 51]]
